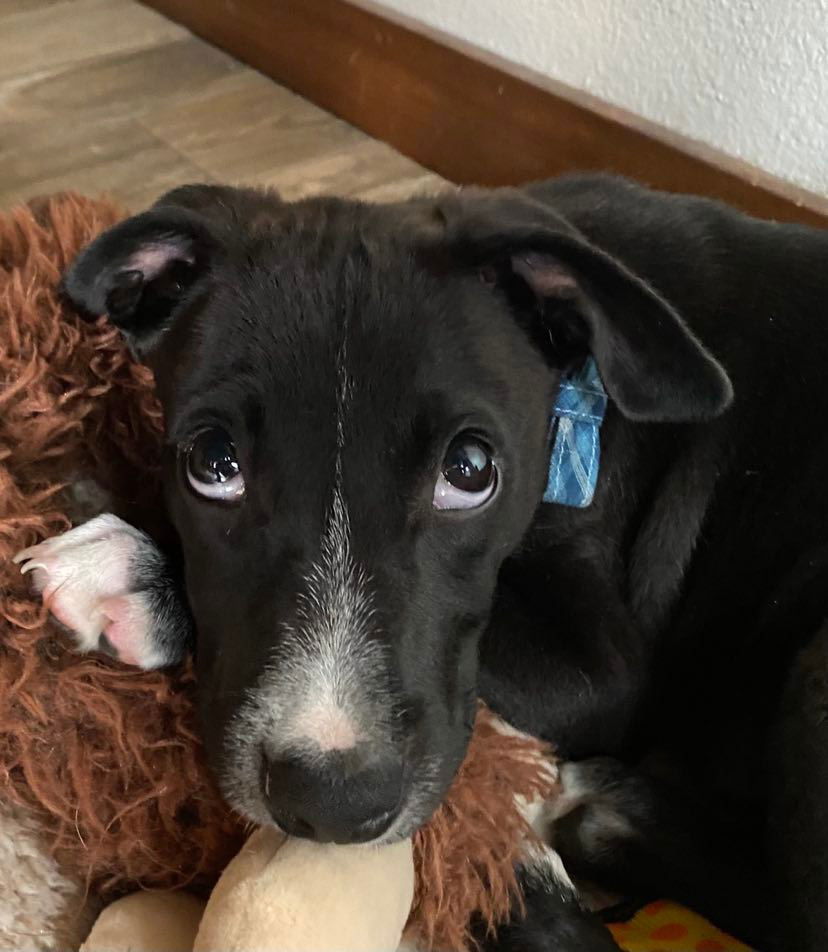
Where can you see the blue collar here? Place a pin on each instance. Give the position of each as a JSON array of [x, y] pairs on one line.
[[576, 451]]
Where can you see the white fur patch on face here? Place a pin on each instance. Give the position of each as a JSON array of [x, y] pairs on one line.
[[85, 577], [330, 728], [326, 687], [330, 644]]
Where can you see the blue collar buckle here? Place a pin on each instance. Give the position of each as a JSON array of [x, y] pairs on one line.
[[576, 451]]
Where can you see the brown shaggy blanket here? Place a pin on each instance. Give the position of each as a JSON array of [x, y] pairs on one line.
[[109, 756]]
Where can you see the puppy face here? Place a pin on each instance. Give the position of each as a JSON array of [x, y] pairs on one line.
[[382, 464], [357, 408]]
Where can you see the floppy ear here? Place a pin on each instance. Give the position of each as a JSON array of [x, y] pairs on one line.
[[141, 272], [652, 365]]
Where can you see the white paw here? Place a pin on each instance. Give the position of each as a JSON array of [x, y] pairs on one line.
[[574, 792], [87, 578]]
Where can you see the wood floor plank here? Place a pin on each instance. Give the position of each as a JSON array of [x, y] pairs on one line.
[[108, 96], [119, 157], [366, 169], [121, 84], [45, 37], [11, 7], [253, 131]]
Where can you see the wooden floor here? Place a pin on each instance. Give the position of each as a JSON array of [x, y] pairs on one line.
[[108, 96]]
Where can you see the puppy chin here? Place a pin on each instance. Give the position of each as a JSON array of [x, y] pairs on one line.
[[424, 797], [251, 808]]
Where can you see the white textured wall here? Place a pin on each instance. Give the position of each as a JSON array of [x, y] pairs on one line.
[[749, 77]]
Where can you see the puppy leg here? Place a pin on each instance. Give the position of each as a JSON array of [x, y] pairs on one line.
[[111, 586], [553, 919], [798, 816], [638, 838]]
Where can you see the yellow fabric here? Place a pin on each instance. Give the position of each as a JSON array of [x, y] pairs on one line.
[[666, 927]]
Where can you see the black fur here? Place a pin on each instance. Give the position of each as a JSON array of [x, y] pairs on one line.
[[554, 920], [657, 626]]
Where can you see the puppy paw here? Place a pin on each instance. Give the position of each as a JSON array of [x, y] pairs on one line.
[[108, 584], [603, 806]]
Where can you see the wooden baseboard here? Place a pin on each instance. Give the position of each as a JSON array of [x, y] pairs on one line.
[[465, 114]]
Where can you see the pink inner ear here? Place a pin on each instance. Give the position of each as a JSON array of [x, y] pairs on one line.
[[152, 259], [545, 275]]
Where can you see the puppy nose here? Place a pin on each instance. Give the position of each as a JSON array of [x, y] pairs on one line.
[[338, 798]]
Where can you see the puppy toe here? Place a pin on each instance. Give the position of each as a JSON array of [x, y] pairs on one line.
[[128, 631], [85, 577], [94, 530]]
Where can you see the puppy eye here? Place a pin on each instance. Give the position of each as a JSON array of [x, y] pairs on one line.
[[468, 477], [213, 467]]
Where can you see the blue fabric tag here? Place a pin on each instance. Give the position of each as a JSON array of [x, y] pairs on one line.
[[576, 452]]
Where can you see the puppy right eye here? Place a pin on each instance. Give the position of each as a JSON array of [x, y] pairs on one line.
[[212, 466]]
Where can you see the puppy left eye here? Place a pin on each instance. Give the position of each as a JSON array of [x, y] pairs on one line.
[[212, 466], [469, 475]]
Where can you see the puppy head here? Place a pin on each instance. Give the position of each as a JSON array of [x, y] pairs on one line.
[[357, 406]]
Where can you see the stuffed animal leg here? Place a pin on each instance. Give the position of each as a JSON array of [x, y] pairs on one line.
[[147, 922], [277, 895], [299, 896]]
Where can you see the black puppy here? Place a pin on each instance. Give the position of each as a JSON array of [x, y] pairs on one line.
[[359, 410]]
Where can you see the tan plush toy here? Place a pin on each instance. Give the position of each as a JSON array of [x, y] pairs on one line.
[[279, 894]]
